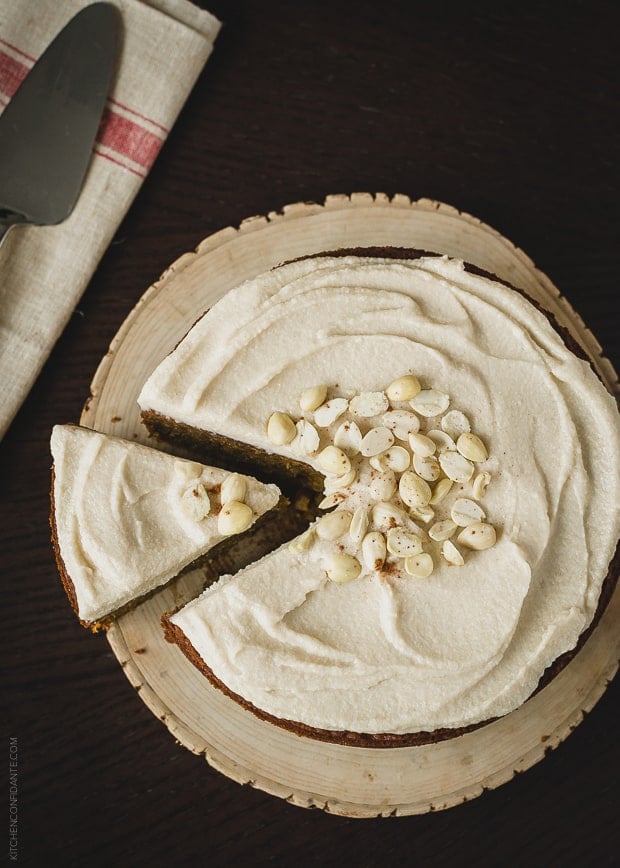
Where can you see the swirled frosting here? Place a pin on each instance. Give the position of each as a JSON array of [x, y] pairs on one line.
[[125, 518], [388, 652]]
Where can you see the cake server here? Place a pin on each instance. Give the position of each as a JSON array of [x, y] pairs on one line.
[[48, 129]]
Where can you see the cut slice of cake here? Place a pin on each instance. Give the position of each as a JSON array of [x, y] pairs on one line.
[[126, 518], [473, 460]]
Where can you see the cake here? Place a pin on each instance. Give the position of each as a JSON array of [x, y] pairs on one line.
[[467, 538], [127, 518]]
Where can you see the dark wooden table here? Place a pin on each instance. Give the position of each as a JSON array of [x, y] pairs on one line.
[[509, 114]]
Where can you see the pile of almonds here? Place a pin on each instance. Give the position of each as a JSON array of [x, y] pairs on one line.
[[234, 517], [411, 472]]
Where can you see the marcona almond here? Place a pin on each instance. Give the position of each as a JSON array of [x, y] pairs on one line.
[[456, 466], [234, 487], [374, 550], [452, 554], [465, 511], [378, 462], [422, 513], [403, 388], [402, 543], [333, 460], [306, 440], [421, 445], [303, 542], [348, 437], [413, 490], [196, 503], [386, 515], [359, 525], [430, 402], [442, 530], [331, 500], [441, 440], [455, 423], [396, 458], [334, 524], [327, 413], [402, 423], [472, 447], [426, 468], [478, 536], [312, 398], [383, 485], [332, 484], [234, 517], [280, 429], [480, 484], [368, 404], [377, 440], [440, 491], [420, 566], [342, 567]]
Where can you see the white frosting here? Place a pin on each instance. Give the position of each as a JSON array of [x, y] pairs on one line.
[[387, 652], [122, 525]]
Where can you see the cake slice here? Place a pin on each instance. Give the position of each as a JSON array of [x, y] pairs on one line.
[[126, 518]]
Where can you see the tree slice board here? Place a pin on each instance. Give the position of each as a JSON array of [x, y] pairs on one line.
[[351, 781]]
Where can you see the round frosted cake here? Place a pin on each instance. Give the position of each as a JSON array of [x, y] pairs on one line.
[[469, 522]]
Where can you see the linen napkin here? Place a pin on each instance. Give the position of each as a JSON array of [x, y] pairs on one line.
[[45, 269]]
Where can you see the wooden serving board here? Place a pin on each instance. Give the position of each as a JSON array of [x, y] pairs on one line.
[[355, 782]]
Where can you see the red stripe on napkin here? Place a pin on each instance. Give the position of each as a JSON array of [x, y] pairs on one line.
[[138, 115], [12, 73], [129, 139], [18, 51]]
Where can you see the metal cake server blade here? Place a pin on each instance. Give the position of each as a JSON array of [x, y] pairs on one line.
[[48, 129]]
